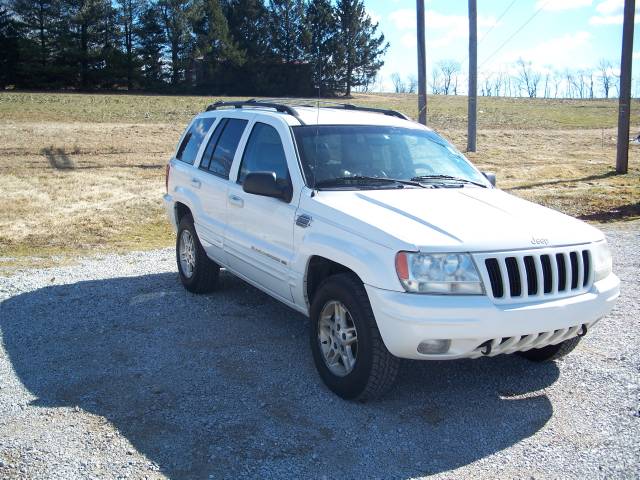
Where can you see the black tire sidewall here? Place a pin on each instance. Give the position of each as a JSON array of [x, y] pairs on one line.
[[187, 224], [551, 352], [353, 384]]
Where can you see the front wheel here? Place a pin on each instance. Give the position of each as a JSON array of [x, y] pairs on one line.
[[348, 351], [551, 352]]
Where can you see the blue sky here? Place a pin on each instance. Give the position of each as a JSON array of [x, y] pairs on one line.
[[574, 34]]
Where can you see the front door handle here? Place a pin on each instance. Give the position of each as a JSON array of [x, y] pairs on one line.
[[195, 183], [236, 200]]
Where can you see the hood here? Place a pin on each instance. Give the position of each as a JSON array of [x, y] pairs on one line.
[[452, 219]]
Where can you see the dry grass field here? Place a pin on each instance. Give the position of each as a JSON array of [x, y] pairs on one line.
[[85, 173]]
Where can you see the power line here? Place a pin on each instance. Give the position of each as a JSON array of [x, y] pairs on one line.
[[497, 21], [491, 28], [535, 14]]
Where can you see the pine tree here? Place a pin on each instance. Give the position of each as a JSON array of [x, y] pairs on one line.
[[286, 18], [213, 43], [39, 50], [249, 27], [86, 28], [321, 43], [128, 15], [10, 31], [110, 68], [361, 47], [149, 47], [175, 20]]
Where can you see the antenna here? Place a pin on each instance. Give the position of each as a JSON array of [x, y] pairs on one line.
[[315, 143]]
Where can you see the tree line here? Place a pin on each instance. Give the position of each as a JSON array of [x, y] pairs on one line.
[[233, 47], [522, 79]]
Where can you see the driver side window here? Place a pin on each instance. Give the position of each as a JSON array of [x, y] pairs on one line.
[[264, 153]]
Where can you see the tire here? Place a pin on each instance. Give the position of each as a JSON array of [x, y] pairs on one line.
[[551, 352], [198, 274], [373, 368]]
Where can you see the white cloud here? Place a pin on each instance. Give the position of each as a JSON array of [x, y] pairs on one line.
[[448, 28], [606, 20], [375, 18], [557, 51], [403, 18], [611, 13], [610, 7], [409, 40], [559, 5]]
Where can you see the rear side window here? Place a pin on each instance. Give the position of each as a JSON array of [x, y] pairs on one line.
[[192, 140], [264, 153], [222, 146]]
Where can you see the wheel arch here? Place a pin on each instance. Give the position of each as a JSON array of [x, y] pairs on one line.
[[180, 210], [318, 269]]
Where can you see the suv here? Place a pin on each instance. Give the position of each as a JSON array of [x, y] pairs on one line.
[[384, 235]]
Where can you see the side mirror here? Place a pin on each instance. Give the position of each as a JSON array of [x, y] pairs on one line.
[[265, 184], [491, 177]]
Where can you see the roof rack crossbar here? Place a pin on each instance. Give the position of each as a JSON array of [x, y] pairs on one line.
[[288, 107], [313, 102], [279, 107], [384, 111]]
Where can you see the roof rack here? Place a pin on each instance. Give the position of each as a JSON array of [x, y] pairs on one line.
[[254, 103], [279, 105], [314, 102], [391, 113]]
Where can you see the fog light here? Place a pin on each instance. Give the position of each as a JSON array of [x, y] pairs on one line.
[[431, 347]]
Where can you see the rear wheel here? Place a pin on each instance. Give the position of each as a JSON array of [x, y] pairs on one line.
[[348, 351], [198, 273], [551, 352]]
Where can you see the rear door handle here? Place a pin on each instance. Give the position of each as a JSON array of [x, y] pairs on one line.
[[195, 183], [236, 200]]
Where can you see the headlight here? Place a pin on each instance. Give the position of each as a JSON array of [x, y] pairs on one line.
[[602, 261], [445, 273]]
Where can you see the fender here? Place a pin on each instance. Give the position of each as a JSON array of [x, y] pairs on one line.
[[373, 263]]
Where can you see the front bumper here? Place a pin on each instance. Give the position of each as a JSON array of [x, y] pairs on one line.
[[405, 320]]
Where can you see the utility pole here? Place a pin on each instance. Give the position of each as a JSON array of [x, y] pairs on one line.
[[624, 103], [472, 106], [422, 65]]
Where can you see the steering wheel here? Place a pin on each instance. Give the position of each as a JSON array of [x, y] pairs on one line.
[[375, 172], [425, 166]]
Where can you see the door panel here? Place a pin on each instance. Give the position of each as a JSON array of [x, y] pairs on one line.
[[259, 236], [211, 223], [259, 239], [211, 180]]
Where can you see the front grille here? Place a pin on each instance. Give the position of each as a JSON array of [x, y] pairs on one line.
[[515, 276]]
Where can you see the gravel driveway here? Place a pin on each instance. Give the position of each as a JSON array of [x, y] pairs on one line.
[[109, 369]]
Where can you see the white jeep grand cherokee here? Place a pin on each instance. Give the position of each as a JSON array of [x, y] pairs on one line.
[[386, 236]]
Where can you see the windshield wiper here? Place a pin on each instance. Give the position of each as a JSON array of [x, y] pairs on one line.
[[446, 177], [365, 180]]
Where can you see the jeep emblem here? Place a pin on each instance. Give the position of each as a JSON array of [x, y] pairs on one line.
[[539, 241]]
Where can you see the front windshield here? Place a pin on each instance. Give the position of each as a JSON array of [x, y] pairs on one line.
[[331, 154]]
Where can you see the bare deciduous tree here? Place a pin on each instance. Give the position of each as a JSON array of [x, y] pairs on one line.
[[448, 69], [412, 84], [436, 82], [568, 75], [398, 83], [605, 76], [498, 83], [487, 86], [529, 78]]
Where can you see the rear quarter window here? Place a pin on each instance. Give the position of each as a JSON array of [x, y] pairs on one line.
[[191, 142]]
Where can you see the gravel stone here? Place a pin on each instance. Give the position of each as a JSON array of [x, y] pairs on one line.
[[110, 369]]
